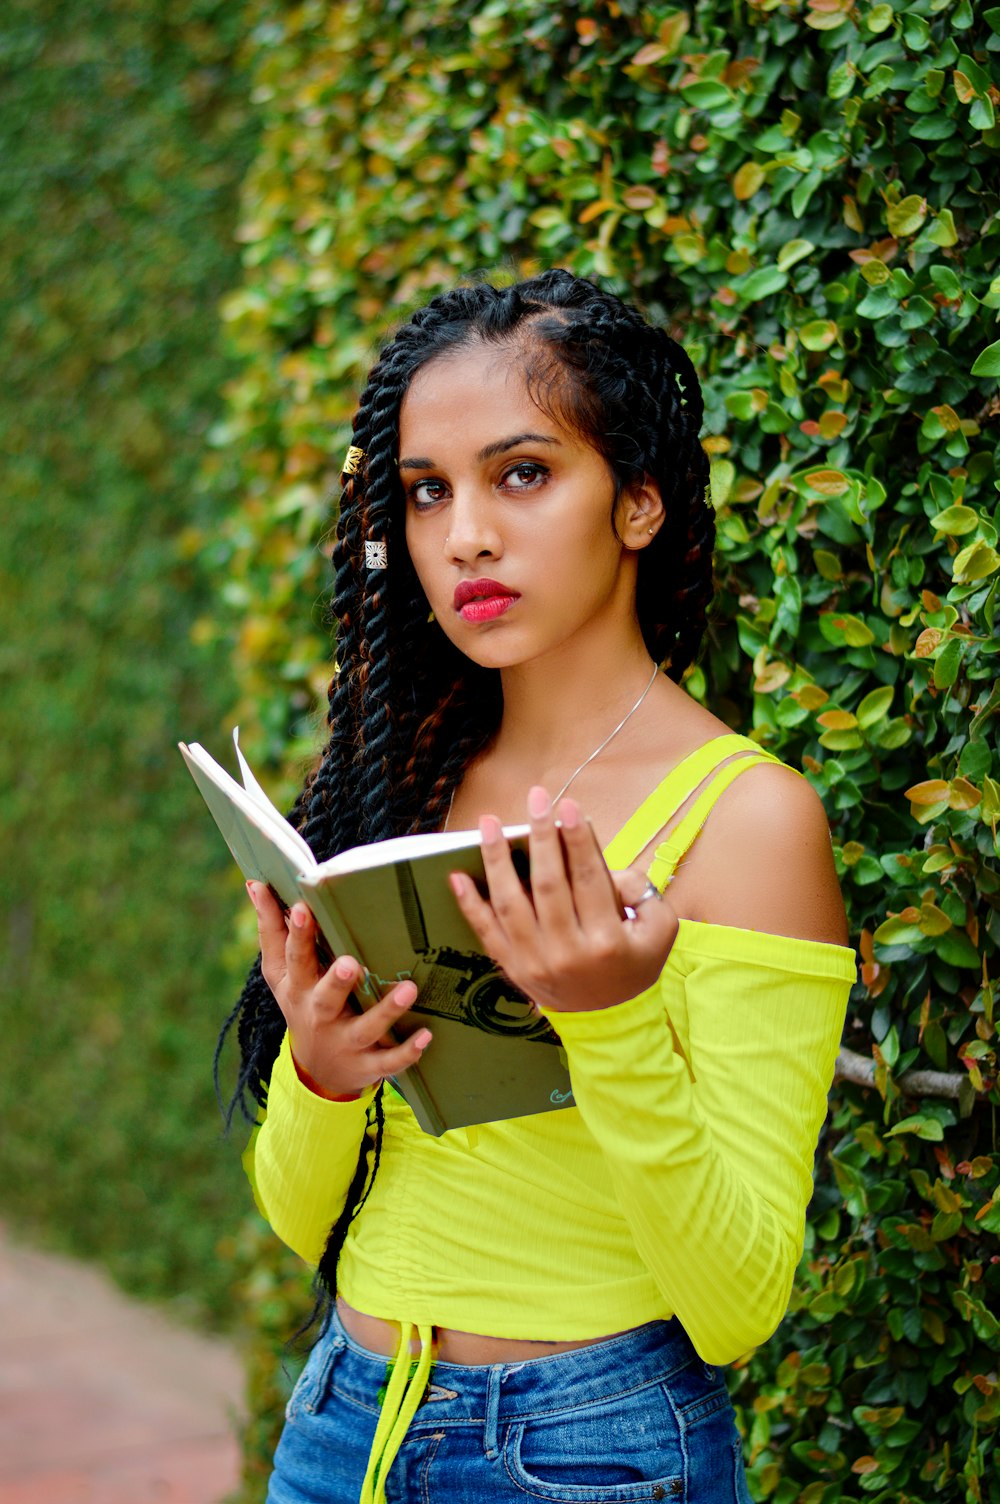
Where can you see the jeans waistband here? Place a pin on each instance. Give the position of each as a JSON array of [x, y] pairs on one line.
[[512, 1391]]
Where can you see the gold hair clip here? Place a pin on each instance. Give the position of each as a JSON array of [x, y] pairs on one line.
[[352, 460]]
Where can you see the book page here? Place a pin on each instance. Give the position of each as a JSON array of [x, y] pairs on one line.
[[265, 846], [408, 848]]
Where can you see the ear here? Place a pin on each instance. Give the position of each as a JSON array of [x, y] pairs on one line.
[[640, 514]]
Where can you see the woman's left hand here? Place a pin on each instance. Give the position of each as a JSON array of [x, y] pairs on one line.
[[568, 944]]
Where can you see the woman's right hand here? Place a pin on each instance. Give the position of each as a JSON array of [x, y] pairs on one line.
[[337, 1051]]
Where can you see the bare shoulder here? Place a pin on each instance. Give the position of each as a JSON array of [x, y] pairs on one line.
[[764, 860]]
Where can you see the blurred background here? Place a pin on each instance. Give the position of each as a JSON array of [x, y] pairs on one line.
[[125, 135]]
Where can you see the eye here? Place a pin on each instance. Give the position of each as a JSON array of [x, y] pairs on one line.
[[426, 493], [524, 475]]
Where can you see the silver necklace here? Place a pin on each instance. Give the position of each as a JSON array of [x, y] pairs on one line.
[[587, 760]]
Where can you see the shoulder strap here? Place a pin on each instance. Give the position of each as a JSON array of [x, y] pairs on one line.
[[680, 840], [668, 797]]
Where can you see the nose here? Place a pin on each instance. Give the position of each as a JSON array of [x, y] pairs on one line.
[[473, 531]]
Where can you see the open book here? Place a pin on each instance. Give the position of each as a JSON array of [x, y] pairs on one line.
[[390, 906]]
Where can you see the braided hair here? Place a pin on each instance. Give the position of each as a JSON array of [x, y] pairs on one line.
[[407, 711]]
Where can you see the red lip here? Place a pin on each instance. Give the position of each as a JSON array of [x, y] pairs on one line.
[[480, 590]]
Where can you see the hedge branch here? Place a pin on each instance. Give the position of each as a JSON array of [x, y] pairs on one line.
[[861, 1070]]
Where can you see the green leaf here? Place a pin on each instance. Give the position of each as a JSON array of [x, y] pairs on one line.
[[879, 18], [976, 760], [875, 706], [933, 127], [761, 284], [988, 361], [898, 932], [803, 192], [955, 947], [924, 1127], [947, 664], [982, 116], [844, 629], [707, 95], [945, 281]]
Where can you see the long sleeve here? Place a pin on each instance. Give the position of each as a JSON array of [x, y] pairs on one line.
[[706, 1095], [301, 1158]]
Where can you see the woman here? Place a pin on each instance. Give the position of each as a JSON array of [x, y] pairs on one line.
[[534, 1309]]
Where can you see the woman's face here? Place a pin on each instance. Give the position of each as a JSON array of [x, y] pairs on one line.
[[510, 514]]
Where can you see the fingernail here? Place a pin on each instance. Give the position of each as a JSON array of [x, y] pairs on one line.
[[457, 883], [569, 814], [253, 895], [489, 830], [538, 803], [344, 968], [299, 916], [423, 1039]]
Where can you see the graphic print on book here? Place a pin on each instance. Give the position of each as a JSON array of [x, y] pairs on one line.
[[464, 984]]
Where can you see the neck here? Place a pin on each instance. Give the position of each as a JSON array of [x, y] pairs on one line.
[[557, 709]]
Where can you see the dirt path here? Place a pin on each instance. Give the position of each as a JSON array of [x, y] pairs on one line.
[[103, 1400]]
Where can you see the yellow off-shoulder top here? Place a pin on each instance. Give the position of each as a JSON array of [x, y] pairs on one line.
[[677, 1185]]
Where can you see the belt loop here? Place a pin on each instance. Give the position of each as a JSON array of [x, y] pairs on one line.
[[491, 1440]]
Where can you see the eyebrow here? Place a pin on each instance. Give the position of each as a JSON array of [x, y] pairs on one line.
[[489, 452]]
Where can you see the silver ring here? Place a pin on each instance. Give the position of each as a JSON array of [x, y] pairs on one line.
[[648, 892]]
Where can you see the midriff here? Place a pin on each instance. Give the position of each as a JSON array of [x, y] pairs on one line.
[[450, 1346]]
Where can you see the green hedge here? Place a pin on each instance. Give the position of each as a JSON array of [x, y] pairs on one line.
[[123, 137], [807, 195]]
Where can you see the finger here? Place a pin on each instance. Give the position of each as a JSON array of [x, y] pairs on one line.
[[595, 897], [377, 1021], [655, 918], [551, 893], [512, 909], [335, 986], [479, 916], [272, 932], [400, 1057], [303, 965]]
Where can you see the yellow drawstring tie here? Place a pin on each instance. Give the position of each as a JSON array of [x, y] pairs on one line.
[[405, 1391]]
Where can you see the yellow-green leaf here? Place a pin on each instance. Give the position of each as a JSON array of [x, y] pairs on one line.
[[828, 482], [963, 794], [827, 565], [811, 696], [956, 521], [792, 251], [976, 562], [841, 741], [818, 334], [906, 217], [639, 197], [990, 808], [875, 706], [933, 921], [722, 478], [837, 720], [931, 791], [747, 179], [875, 272]]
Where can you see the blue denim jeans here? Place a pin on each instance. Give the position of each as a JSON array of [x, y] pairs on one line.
[[638, 1416]]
